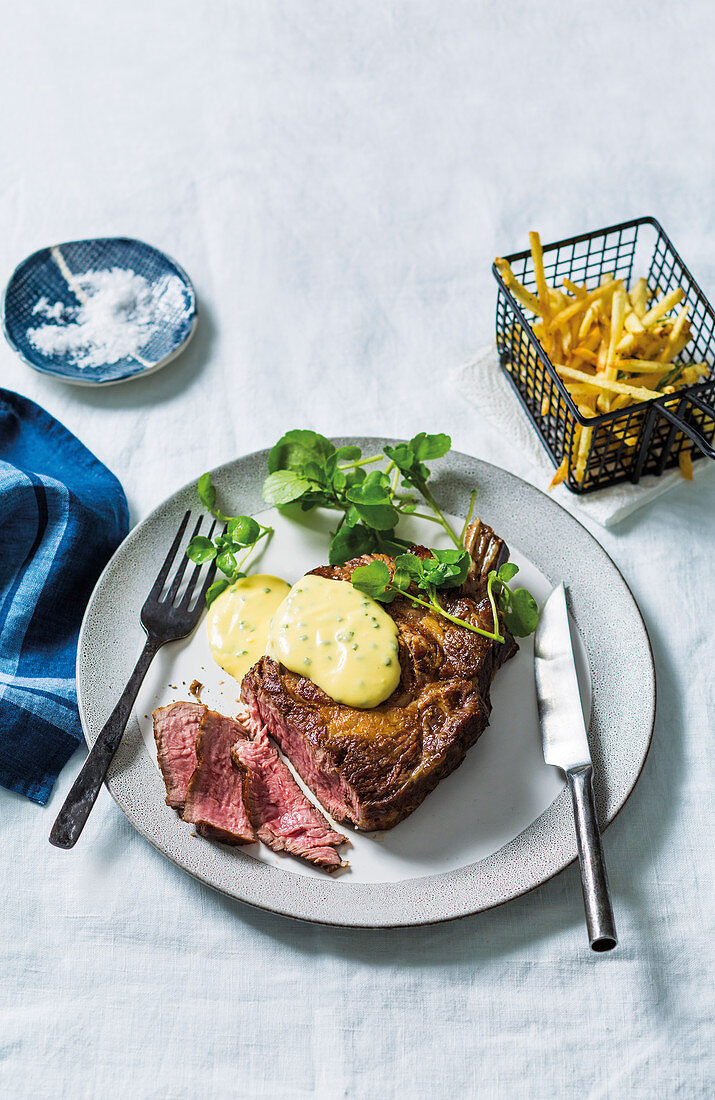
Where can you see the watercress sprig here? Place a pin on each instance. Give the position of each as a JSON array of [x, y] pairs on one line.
[[519, 609], [305, 468], [448, 569], [232, 548]]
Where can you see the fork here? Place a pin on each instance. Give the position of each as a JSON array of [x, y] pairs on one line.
[[164, 620]]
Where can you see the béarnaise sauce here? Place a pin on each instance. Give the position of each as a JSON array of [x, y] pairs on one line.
[[238, 621], [339, 638]]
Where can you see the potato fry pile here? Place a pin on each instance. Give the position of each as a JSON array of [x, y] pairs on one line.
[[611, 347]]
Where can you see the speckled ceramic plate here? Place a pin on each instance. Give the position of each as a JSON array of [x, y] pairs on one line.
[[500, 825]]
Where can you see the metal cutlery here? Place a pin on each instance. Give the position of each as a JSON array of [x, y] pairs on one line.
[[566, 746], [165, 618]]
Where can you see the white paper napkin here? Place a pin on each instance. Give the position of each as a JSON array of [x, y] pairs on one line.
[[483, 383]]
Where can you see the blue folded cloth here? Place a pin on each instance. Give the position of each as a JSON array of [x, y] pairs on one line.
[[62, 515]]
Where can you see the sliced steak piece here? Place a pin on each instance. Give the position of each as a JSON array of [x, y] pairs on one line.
[[214, 798], [175, 731], [374, 767], [283, 817]]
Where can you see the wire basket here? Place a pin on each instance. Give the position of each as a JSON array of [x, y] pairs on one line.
[[644, 438]]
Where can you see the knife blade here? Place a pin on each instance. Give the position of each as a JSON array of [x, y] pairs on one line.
[[565, 745], [557, 692]]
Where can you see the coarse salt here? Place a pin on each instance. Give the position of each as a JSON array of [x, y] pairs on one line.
[[118, 314]]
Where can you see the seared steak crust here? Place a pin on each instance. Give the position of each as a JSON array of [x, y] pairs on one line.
[[374, 767]]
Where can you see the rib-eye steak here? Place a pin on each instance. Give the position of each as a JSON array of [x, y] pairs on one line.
[[374, 767], [283, 817], [230, 786], [175, 730], [214, 797]]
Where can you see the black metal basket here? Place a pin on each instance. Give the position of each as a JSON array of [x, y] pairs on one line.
[[644, 438]]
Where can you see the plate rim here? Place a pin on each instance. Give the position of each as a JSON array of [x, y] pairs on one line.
[[144, 371], [555, 811]]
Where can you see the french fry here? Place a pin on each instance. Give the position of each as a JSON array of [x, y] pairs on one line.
[[557, 300], [584, 390], [638, 392], [674, 337], [693, 374], [611, 347], [537, 258], [678, 337], [575, 289], [626, 344], [586, 354], [560, 474], [632, 322], [522, 295], [639, 298], [589, 318], [685, 462], [618, 316], [571, 311], [582, 453], [662, 307], [639, 366]]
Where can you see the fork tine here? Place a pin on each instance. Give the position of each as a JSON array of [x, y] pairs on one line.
[[171, 594], [207, 584], [188, 594], [191, 585], [164, 571]]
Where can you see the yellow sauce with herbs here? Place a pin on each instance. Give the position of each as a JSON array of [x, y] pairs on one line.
[[340, 639], [238, 621]]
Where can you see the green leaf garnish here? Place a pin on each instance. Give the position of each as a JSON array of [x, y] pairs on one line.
[[518, 607], [348, 453], [305, 468], [243, 530], [373, 580], [372, 494], [207, 492], [351, 542], [201, 549], [231, 548], [216, 589], [443, 569], [431, 446], [226, 562], [522, 615], [297, 448], [285, 486]]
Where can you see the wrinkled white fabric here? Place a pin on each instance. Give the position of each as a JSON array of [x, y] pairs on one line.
[[336, 178]]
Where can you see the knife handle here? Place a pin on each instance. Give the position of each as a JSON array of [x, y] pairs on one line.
[[596, 898]]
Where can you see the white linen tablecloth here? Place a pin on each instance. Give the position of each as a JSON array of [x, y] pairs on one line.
[[337, 179]]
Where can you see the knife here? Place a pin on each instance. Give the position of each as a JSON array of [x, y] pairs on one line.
[[566, 746]]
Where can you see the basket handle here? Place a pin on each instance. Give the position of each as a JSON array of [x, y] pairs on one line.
[[693, 433]]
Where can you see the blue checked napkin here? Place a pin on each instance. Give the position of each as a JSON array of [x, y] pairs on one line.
[[62, 514]]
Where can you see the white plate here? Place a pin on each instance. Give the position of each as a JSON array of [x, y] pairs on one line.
[[497, 826]]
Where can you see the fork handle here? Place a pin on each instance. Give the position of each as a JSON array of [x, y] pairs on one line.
[[74, 813]]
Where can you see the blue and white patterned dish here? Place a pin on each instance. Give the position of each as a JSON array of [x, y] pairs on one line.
[[44, 275]]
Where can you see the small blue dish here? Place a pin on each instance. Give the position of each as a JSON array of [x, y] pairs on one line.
[[49, 291]]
